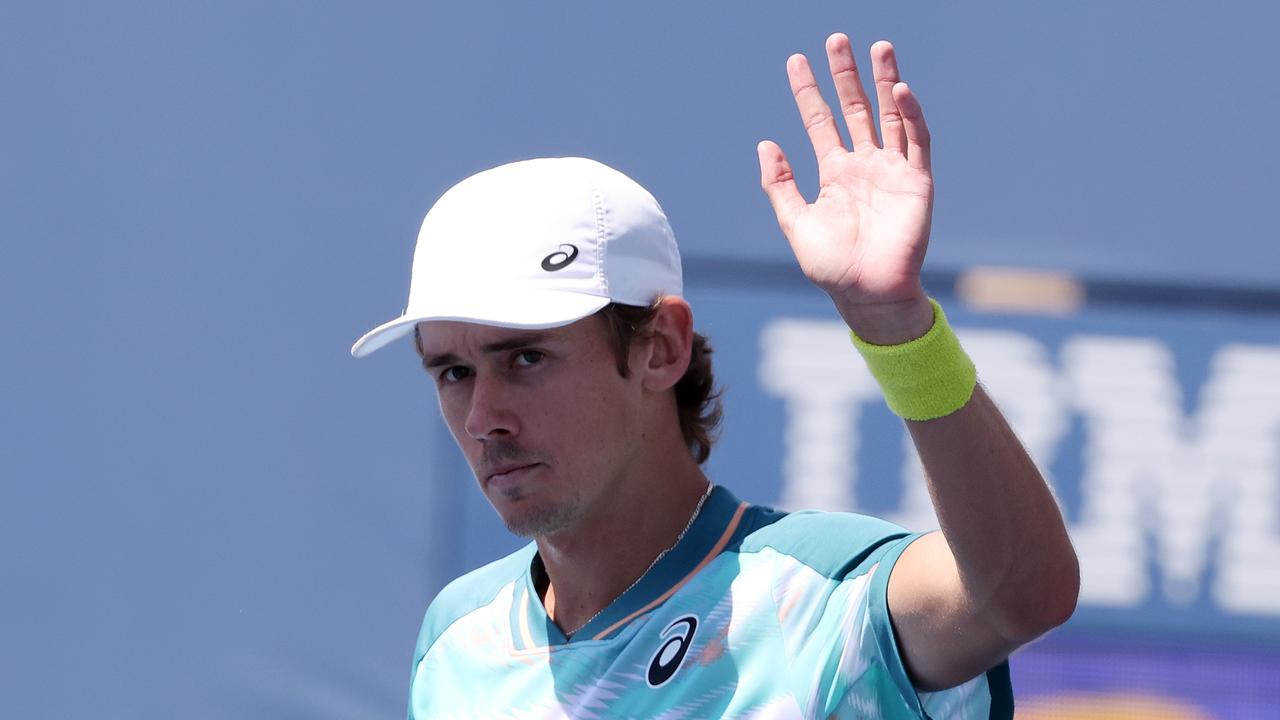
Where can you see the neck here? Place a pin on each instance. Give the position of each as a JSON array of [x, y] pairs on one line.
[[591, 564]]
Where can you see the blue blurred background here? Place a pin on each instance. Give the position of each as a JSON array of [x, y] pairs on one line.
[[209, 510]]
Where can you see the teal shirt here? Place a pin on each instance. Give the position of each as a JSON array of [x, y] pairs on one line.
[[754, 614]]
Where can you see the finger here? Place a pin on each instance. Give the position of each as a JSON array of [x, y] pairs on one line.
[[779, 185], [814, 111], [913, 124], [854, 103], [884, 66]]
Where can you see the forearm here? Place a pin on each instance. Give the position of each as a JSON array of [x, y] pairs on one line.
[[1001, 523], [1002, 571], [1013, 557]]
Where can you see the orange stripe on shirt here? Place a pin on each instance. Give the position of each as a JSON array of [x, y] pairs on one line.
[[724, 540]]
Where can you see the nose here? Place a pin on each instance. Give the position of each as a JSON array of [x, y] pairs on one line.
[[490, 414]]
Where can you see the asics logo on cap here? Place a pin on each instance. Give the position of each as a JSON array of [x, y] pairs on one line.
[[559, 259], [665, 662]]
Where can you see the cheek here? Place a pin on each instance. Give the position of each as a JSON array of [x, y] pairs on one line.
[[607, 418], [453, 408]]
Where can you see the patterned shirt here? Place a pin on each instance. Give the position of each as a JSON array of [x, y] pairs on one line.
[[754, 614]]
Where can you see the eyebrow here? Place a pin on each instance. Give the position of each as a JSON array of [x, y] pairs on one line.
[[519, 341]]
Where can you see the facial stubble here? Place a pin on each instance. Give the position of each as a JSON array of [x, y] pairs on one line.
[[528, 515]]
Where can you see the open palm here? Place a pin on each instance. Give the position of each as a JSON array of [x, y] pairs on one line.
[[863, 239]]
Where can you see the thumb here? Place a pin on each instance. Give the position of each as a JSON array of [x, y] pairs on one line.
[[779, 185]]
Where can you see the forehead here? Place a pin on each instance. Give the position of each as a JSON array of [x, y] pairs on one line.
[[441, 337]]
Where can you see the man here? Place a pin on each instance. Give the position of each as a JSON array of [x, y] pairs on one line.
[[546, 303]]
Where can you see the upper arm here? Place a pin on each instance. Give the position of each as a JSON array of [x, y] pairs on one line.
[[945, 636]]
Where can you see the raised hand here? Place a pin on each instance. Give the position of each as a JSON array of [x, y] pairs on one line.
[[863, 239]]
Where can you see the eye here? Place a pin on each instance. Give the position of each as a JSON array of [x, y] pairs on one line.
[[526, 358], [454, 373]]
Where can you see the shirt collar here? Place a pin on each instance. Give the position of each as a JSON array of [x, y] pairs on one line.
[[706, 538]]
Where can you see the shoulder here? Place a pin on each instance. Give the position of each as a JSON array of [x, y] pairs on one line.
[[834, 544], [470, 592]]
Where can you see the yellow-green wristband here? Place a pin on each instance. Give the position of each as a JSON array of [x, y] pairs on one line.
[[926, 378]]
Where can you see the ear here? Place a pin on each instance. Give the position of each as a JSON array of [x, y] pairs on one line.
[[668, 346]]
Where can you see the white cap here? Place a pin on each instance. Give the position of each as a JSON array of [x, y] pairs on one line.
[[536, 244]]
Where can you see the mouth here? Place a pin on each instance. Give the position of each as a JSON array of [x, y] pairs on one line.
[[507, 475]]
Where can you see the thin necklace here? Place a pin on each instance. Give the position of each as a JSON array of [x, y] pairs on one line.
[[694, 516]]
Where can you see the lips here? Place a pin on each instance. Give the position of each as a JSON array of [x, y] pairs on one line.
[[508, 474]]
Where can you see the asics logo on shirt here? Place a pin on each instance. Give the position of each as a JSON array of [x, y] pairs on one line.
[[560, 259], [678, 637]]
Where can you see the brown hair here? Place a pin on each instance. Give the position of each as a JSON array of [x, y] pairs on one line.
[[697, 399]]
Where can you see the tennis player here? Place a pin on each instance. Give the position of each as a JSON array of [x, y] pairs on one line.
[[546, 303]]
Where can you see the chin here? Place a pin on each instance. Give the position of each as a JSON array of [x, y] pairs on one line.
[[538, 519]]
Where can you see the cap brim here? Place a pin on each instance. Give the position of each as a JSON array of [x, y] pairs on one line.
[[548, 310]]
